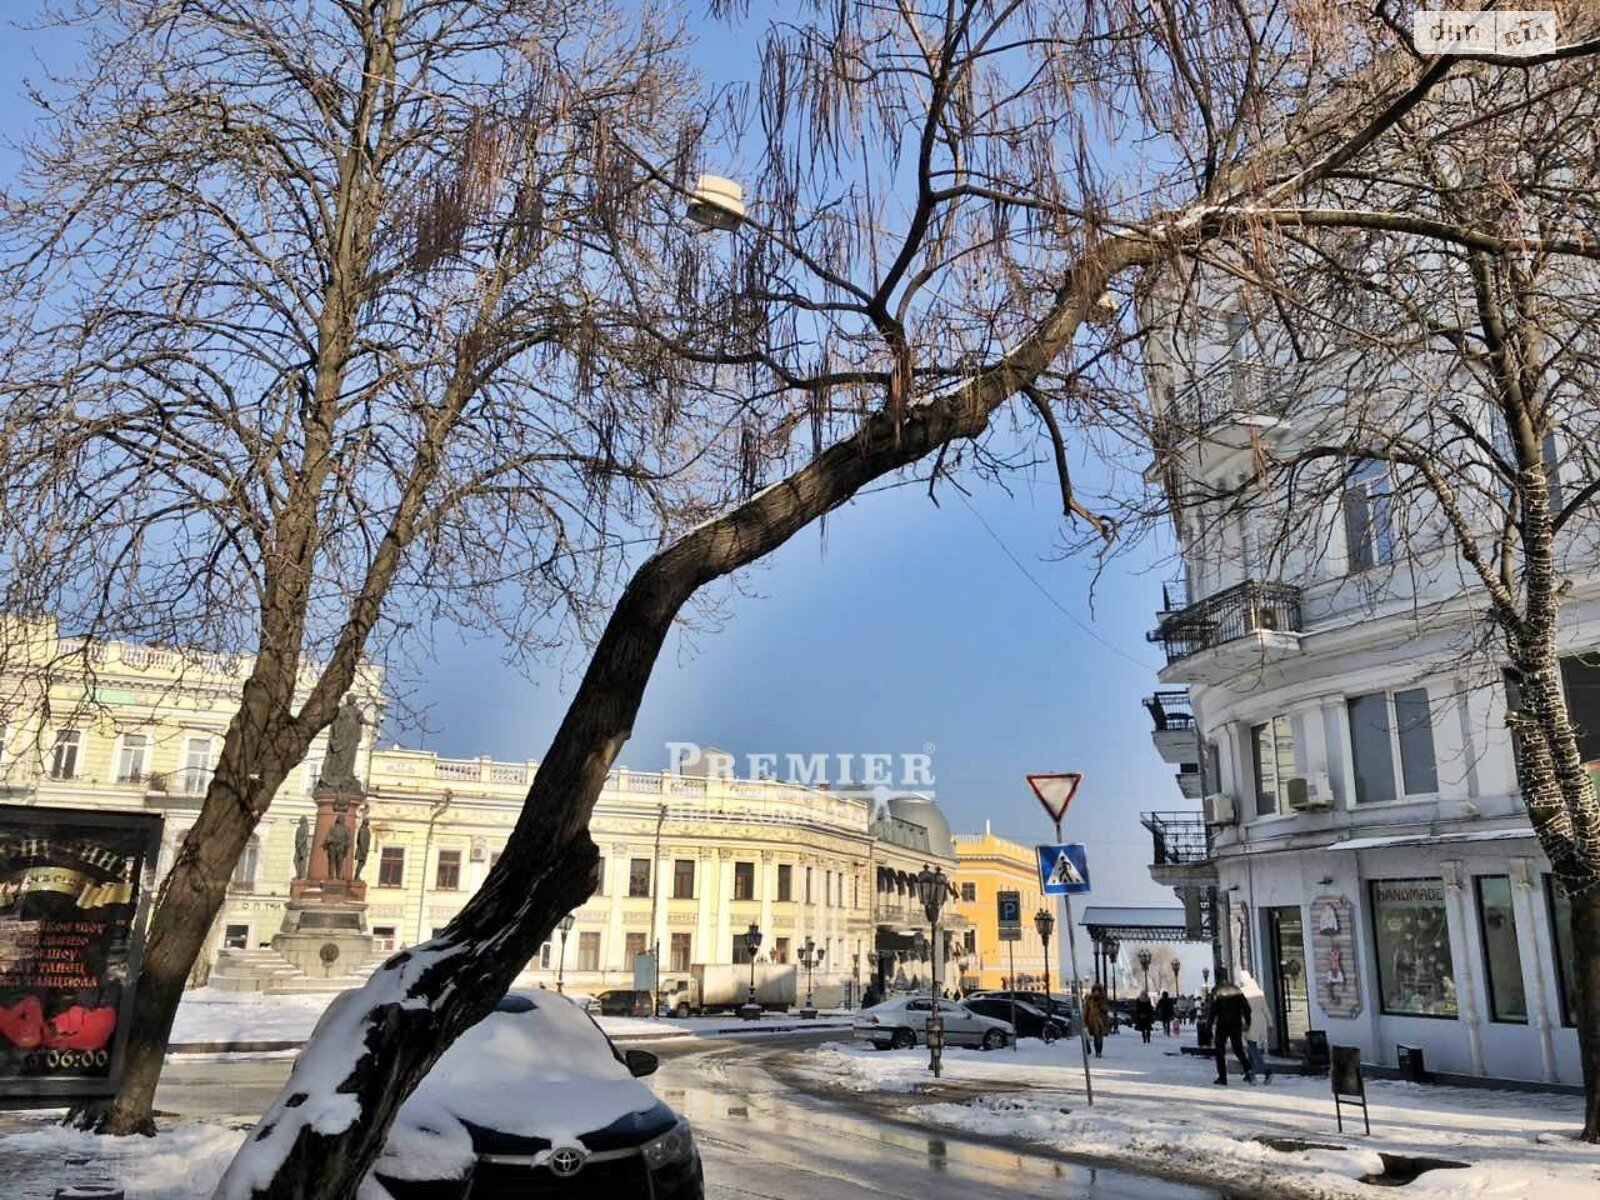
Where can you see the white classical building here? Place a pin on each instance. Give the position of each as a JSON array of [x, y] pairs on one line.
[[1362, 854]]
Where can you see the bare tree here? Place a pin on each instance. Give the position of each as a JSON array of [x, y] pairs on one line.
[[939, 212], [1438, 381], [310, 342]]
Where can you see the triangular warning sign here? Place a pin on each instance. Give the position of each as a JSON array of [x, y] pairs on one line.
[[1055, 792], [1065, 871]]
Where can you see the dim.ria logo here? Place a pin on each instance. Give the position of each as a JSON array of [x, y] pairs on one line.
[[878, 776]]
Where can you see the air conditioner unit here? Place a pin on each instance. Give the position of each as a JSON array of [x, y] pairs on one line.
[[1218, 808], [1310, 795]]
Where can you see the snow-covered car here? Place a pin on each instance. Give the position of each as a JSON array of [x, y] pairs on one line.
[[535, 1100], [896, 1024]]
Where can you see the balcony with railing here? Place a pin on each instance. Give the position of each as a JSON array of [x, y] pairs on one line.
[[1181, 854], [1174, 733], [1248, 625], [1228, 404]]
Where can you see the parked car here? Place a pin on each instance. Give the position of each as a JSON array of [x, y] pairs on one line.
[[535, 1100], [1122, 1011], [1063, 1009], [623, 1002], [896, 1024], [1030, 1021]]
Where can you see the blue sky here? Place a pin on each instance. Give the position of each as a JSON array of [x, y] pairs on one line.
[[905, 625]]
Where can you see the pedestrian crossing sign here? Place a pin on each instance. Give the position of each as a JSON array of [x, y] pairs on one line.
[[1063, 870]]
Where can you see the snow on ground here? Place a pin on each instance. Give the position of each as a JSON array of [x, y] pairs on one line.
[[1154, 1108], [182, 1163], [209, 1015]]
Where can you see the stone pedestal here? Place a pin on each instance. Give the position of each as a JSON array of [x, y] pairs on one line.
[[324, 923]]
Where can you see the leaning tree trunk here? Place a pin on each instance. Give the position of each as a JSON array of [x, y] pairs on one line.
[[423, 998]]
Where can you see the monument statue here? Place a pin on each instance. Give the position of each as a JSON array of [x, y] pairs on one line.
[[337, 846], [339, 764], [363, 845], [302, 848]]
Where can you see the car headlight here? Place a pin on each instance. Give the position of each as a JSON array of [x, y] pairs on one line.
[[674, 1146]]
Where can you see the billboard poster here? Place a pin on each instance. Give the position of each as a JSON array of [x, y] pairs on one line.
[[72, 902]]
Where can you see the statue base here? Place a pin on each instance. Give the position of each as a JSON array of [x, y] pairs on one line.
[[323, 936], [329, 891]]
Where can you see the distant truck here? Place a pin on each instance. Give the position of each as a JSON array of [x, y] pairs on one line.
[[723, 987]]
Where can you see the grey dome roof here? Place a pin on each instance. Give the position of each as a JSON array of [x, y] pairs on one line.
[[920, 810]]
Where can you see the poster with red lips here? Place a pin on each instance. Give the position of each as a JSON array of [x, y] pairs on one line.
[[71, 886]]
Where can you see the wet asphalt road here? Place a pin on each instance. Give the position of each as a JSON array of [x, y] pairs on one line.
[[761, 1140]]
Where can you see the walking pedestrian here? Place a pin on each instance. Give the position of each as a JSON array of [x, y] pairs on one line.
[[1097, 1017], [1144, 1016], [1230, 1017], [1165, 1012]]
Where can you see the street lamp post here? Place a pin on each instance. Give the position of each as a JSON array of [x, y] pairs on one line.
[[1113, 949], [1144, 965], [752, 942], [1176, 967], [1205, 977], [810, 956], [1044, 923], [932, 887], [565, 925]]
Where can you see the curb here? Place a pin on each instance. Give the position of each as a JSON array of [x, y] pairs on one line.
[[231, 1047], [187, 1048]]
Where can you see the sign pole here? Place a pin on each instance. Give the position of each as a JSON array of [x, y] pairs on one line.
[[1077, 988], [1011, 950]]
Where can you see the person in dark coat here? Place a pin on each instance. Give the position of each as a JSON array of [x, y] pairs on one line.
[[1144, 1015], [1230, 1017], [1097, 1017], [1165, 1011]]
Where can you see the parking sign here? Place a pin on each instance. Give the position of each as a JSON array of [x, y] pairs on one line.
[[1009, 912], [1064, 869]]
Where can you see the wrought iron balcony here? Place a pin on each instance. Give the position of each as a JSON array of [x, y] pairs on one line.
[[1180, 848], [1259, 617], [1228, 390], [1170, 711]]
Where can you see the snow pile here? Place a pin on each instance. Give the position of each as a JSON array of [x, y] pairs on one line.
[[180, 1163], [1157, 1109], [209, 1015]]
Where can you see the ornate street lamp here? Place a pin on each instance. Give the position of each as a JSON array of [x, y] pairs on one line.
[[1044, 922], [1113, 949], [752, 942], [933, 888], [565, 924], [1205, 977], [1176, 967], [810, 957], [1144, 965]]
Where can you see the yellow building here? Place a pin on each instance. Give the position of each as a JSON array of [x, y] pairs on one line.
[[987, 864]]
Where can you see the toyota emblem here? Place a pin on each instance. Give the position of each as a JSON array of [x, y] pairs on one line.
[[567, 1162]]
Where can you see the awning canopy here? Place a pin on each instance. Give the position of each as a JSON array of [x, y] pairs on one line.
[[1136, 924]]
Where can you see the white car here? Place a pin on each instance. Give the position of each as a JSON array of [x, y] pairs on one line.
[[896, 1024]]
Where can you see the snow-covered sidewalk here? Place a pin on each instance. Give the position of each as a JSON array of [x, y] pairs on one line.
[[1158, 1110]]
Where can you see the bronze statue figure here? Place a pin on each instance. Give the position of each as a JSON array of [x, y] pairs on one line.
[[344, 739], [302, 848], [363, 844], [336, 845]]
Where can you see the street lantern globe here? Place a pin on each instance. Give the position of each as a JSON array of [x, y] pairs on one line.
[[567, 922], [822, 953], [1144, 959], [932, 887], [1113, 947], [1045, 923], [752, 939], [810, 945]]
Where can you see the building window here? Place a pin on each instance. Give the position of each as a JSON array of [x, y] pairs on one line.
[[197, 764], [392, 866], [969, 941], [600, 876], [1390, 727], [236, 937], [1560, 906], [744, 881], [133, 760], [638, 877], [1580, 680], [1369, 516], [383, 937], [313, 773], [741, 956], [827, 889], [589, 951], [683, 879], [1272, 751], [447, 872], [969, 893], [494, 859], [64, 760], [544, 957], [1497, 925], [632, 948], [244, 872], [808, 885], [785, 882], [680, 951], [1412, 938]]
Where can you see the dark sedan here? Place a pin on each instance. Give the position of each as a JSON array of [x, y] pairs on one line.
[[1029, 1021]]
